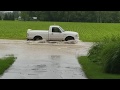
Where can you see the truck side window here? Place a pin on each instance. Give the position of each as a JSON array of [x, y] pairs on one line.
[[55, 29]]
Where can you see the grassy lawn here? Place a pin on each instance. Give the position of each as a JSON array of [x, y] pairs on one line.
[[91, 32], [94, 71], [5, 63]]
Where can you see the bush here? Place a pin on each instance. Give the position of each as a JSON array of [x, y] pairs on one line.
[[94, 53], [107, 54], [112, 64]]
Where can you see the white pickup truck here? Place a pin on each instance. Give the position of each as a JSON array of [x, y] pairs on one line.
[[55, 32]]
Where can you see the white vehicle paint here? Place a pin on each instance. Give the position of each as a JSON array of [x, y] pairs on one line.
[[55, 32]]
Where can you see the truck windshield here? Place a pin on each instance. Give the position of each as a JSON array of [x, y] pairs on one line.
[[61, 29]]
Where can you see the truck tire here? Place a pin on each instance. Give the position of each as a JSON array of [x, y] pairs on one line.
[[69, 38], [37, 38]]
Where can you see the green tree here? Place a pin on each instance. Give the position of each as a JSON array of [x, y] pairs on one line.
[[25, 15], [0, 18], [11, 17], [6, 17], [16, 14]]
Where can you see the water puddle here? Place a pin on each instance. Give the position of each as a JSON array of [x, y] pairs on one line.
[[55, 60]]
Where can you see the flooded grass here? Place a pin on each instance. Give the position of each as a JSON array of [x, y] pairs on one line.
[[6, 62]]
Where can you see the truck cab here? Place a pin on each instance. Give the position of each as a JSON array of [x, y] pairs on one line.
[[56, 33]]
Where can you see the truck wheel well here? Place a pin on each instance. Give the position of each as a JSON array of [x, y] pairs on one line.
[[37, 38], [69, 38]]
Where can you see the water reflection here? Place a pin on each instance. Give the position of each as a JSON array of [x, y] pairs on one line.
[[55, 57]]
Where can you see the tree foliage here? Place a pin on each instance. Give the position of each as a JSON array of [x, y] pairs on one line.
[[73, 16], [9, 16], [16, 14], [0, 18], [65, 16]]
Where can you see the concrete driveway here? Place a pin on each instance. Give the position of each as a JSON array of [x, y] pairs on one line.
[[43, 60]]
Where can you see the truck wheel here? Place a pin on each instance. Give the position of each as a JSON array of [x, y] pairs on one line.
[[69, 38], [37, 38]]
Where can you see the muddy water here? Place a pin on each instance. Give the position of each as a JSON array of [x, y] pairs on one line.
[[43, 60]]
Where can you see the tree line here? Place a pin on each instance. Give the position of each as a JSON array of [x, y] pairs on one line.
[[66, 16], [9, 15], [73, 16]]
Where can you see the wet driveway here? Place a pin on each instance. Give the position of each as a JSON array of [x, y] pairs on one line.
[[43, 60]]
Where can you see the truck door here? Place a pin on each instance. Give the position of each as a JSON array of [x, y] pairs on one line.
[[56, 34]]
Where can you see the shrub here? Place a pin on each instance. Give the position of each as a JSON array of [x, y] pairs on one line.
[[94, 53], [107, 54], [112, 64]]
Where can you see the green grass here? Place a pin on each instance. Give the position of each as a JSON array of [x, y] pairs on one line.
[[94, 71], [91, 32], [6, 62]]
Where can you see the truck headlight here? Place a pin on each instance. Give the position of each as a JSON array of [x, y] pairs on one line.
[[76, 35]]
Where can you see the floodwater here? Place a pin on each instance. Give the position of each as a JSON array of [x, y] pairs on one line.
[[37, 60]]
